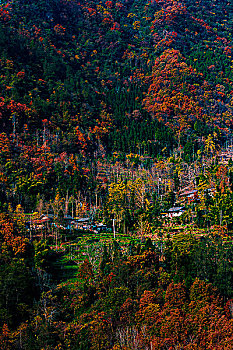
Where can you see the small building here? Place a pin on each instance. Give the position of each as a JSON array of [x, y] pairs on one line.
[[101, 227], [190, 196], [82, 222], [173, 212], [41, 222], [68, 220]]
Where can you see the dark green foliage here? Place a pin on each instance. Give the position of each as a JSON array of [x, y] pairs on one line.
[[17, 293], [75, 77]]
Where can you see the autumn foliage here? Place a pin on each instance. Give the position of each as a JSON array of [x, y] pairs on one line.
[[116, 131]]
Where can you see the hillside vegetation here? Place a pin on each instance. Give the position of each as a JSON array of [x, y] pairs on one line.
[[116, 175]]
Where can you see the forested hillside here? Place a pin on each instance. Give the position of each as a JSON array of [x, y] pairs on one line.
[[116, 174], [86, 79]]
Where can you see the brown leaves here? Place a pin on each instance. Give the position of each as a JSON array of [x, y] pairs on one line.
[[10, 239], [5, 338], [167, 98], [175, 296]]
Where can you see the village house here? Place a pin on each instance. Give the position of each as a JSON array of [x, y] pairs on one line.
[[40, 222], [189, 196], [173, 212]]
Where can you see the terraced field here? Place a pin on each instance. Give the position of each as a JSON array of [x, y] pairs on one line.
[[86, 245]]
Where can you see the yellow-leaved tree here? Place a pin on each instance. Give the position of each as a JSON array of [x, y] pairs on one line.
[[116, 203]]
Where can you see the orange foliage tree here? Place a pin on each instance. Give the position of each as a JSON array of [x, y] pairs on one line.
[[169, 97]]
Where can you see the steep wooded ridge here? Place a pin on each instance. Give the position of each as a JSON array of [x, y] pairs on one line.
[[116, 175]]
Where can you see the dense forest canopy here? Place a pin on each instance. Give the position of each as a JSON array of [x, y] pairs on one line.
[[116, 174], [88, 79]]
